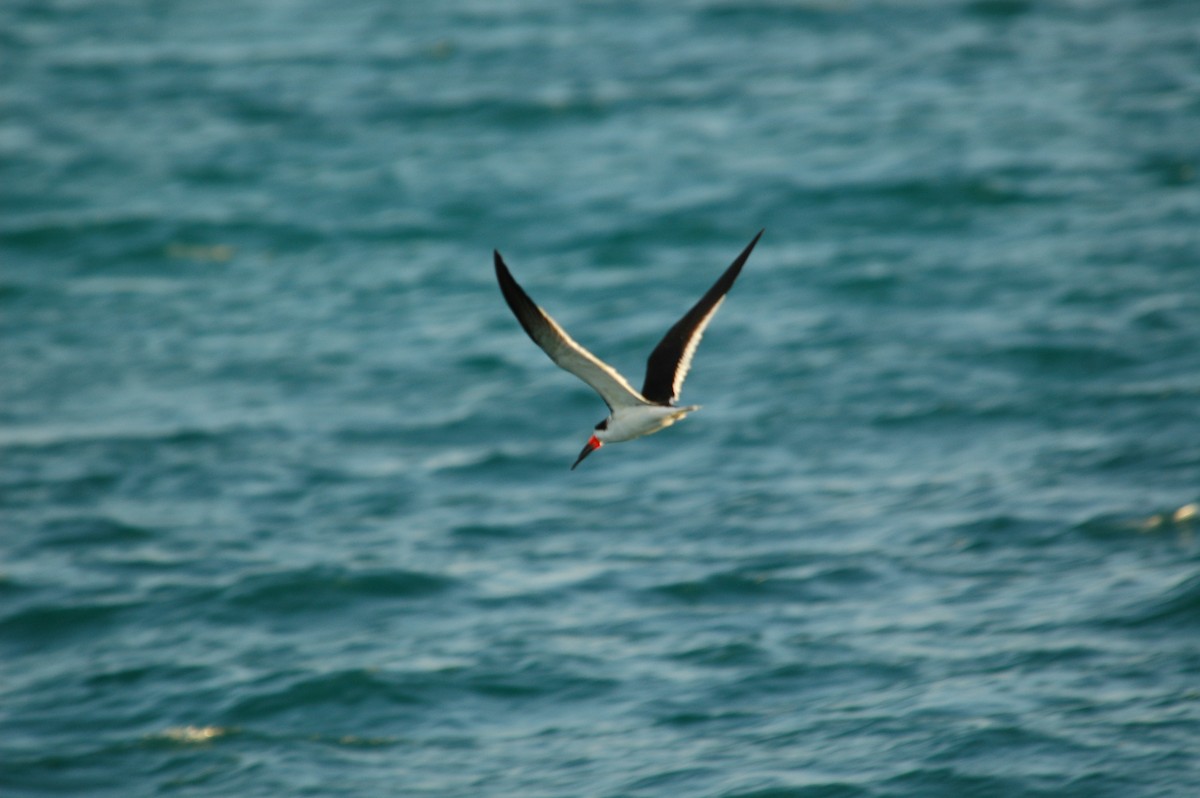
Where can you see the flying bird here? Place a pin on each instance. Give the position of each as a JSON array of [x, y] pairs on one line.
[[631, 414]]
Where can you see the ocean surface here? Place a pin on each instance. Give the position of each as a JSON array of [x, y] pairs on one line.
[[285, 507]]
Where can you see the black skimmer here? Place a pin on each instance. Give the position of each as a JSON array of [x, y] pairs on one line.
[[631, 414]]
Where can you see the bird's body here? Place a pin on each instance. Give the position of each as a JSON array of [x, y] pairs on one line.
[[632, 414], [627, 423]]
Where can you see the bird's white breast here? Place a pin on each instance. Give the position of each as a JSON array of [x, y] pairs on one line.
[[627, 423]]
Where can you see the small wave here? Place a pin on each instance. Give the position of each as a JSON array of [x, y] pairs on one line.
[[550, 104], [142, 675], [1000, 9], [136, 240], [532, 683], [11, 291], [95, 531], [952, 195], [347, 692], [154, 286], [343, 689], [514, 461], [1071, 359], [773, 15], [934, 410], [687, 780], [324, 588], [50, 436], [51, 229], [989, 740], [951, 781], [741, 586], [951, 191], [828, 670], [729, 586], [833, 789], [989, 531], [701, 717], [486, 531], [1177, 609], [736, 654], [47, 624]]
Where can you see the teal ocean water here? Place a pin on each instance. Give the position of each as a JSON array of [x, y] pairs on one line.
[[285, 507]]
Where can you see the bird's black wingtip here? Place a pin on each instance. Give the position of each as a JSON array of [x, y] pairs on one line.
[[739, 261], [502, 271]]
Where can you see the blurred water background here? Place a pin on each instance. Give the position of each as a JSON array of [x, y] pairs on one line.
[[284, 499]]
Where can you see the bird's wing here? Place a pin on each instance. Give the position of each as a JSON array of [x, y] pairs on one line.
[[562, 349], [668, 364]]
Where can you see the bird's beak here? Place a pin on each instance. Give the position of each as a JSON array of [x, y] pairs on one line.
[[592, 445]]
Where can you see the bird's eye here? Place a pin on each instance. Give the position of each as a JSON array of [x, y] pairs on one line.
[[603, 424]]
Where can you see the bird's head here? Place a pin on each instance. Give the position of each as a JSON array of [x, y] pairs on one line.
[[599, 436]]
